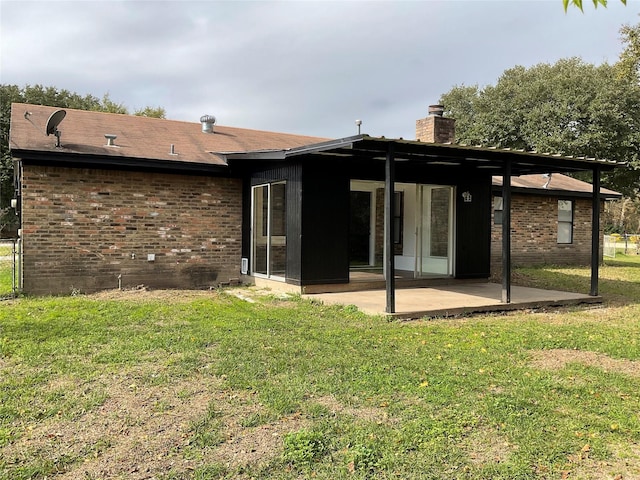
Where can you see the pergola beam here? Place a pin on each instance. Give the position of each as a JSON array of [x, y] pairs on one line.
[[389, 199], [595, 232], [506, 233]]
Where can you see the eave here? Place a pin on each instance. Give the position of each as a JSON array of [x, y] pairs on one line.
[[30, 157], [442, 156]]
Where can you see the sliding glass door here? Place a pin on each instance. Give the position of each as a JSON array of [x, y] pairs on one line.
[[435, 231], [269, 230]]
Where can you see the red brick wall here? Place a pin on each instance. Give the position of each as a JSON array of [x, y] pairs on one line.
[[435, 129], [82, 228], [534, 238]]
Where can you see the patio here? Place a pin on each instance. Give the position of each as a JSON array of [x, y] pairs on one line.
[[452, 300]]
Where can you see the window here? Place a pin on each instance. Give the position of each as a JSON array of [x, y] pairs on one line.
[[398, 208], [497, 210], [565, 221], [439, 231], [278, 209]]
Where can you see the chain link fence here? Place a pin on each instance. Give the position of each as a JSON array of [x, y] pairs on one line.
[[627, 244], [9, 267]]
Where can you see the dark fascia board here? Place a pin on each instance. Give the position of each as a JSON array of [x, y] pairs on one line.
[[329, 145], [470, 154], [524, 161], [254, 155], [104, 161], [555, 193]]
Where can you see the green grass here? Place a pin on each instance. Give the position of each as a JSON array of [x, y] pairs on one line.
[[6, 280], [6, 266], [305, 390]]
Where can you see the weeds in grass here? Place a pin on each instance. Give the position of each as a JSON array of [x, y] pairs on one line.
[[206, 431], [291, 389], [304, 447]]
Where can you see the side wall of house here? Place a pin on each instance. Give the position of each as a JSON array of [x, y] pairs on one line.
[[472, 228], [87, 230], [534, 233]]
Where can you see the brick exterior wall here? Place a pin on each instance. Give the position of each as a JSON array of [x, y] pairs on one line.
[[82, 228], [534, 237], [435, 129]]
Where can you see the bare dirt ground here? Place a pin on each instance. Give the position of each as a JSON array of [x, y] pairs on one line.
[[143, 293], [142, 432], [559, 358]]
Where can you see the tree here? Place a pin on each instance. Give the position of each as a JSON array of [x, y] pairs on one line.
[[629, 63], [155, 112], [51, 96], [570, 107], [578, 3]]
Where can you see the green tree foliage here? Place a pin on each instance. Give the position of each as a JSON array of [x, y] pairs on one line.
[[578, 3], [54, 97], [155, 112], [570, 107], [629, 63]]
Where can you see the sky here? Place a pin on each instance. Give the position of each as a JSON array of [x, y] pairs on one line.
[[304, 67]]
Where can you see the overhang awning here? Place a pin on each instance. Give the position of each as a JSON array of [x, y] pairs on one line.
[[452, 157]]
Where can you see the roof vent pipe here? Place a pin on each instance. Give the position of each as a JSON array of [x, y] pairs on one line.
[[436, 110], [110, 139], [207, 122]]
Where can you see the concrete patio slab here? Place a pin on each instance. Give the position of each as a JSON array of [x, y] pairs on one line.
[[452, 300]]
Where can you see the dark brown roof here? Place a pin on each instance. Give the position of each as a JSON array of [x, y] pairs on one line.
[[557, 184], [83, 132], [142, 141]]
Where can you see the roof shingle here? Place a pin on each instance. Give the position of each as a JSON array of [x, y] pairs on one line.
[[83, 132]]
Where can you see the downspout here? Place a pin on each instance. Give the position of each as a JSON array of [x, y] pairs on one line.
[[595, 231], [506, 233], [389, 199]]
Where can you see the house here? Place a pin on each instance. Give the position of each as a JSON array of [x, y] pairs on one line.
[[110, 200], [550, 220]]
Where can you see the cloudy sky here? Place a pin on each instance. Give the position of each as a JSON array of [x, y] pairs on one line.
[[302, 67]]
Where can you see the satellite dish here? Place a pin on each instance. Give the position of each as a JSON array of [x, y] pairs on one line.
[[54, 120], [52, 125]]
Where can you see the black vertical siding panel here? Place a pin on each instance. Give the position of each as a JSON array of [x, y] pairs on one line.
[[325, 224], [294, 225], [473, 229]]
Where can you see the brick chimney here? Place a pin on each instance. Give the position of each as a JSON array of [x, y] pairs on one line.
[[436, 128]]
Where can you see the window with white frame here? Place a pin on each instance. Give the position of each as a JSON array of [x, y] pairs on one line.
[[497, 210], [565, 221]]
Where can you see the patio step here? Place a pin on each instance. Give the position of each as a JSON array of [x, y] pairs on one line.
[[362, 285]]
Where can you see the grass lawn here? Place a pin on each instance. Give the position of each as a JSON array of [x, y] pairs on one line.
[[206, 385], [6, 264], [6, 280]]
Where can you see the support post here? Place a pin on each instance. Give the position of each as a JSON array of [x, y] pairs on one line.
[[506, 233], [595, 232], [389, 199]]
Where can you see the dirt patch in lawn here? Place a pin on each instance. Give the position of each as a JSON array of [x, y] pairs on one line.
[[487, 446], [623, 464], [370, 414], [143, 293], [135, 433], [559, 358], [144, 431], [254, 445]]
